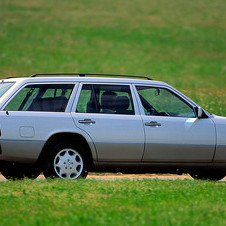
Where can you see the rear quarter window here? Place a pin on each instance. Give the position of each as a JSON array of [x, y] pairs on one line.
[[43, 97], [5, 86]]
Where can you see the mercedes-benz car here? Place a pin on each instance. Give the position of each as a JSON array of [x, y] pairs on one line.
[[66, 125]]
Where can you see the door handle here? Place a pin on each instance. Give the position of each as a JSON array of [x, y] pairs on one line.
[[87, 121], [152, 123]]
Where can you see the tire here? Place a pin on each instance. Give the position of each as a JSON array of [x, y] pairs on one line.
[[14, 171], [66, 161], [214, 175]]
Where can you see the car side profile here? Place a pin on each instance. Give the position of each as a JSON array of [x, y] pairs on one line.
[[67, 126]]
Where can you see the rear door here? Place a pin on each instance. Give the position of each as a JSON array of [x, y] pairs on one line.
[[110, 116]]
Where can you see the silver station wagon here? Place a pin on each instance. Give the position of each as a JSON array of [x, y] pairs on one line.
[[67, 126]]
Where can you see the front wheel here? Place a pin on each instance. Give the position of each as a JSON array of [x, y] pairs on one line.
[[65, 161], [208, 175]]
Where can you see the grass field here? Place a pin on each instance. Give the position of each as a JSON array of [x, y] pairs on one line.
[[180, 42], [118, 202]]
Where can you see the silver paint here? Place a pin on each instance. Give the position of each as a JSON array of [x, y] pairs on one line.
[[118, 140]]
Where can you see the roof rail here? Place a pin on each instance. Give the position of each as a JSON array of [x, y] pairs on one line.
[[84, 74]]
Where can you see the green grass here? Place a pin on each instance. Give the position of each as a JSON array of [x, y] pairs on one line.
[[117, 202], [180, 42]]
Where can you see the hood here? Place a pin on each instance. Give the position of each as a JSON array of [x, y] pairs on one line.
[[219, 120]]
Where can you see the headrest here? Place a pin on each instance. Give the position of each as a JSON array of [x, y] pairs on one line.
[[122, 103], [107, 97]]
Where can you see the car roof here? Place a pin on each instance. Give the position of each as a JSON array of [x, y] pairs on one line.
[[81, 79]]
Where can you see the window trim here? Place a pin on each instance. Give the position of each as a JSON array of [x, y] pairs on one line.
[[67, 109]]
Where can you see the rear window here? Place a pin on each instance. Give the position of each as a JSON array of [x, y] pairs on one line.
[[4, 86]]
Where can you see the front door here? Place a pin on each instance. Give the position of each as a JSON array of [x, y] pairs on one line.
[[173, 133], [107, 113]]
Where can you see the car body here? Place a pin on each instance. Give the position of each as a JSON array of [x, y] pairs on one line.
[[68, 126]]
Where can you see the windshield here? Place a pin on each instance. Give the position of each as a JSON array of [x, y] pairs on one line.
[[4, 87]]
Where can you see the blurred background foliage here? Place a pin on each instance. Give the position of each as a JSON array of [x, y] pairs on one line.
[[180, 42]]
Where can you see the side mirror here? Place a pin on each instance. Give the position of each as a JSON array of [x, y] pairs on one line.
[[198, 112]]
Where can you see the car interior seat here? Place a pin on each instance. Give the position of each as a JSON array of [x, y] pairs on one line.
[[122, 105]]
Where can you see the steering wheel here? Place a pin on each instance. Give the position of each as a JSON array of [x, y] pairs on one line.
[[152, 111], [163, 113]]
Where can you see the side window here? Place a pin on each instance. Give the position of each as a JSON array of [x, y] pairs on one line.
[[43, 97], [86, 99], [105, 99], [162, 102], [4, 87]]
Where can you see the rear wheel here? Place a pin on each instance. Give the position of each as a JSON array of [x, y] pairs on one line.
[[65, 161], [14, 171], [208, 175]]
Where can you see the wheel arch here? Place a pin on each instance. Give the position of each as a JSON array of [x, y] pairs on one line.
[[90, 152]]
